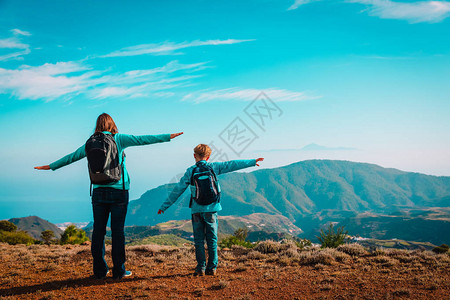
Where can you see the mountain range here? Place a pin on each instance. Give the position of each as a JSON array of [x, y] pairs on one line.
[[313, 192]]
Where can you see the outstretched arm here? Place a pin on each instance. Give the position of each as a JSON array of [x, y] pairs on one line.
[[66, 160], [181, 186], [233, 165], [128, 140]]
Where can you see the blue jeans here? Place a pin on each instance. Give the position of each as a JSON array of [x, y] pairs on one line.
[[106, 201], [205, 226]]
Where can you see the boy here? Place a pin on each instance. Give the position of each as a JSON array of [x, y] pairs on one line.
[[205, 202]]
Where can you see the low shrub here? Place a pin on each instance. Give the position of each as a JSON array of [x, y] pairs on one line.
[[322, 257], [378, 252], [441, 249], [238, 238], [228, 242], [288, 245], [352, 249], [385, 261], [16, 237], [255, 255], [151, 249], [268, 247], [330, 238], [7, 226], [302, 243], [73, 235]]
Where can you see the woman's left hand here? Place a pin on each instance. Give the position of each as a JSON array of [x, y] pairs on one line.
[[46, 167], [174, 135]]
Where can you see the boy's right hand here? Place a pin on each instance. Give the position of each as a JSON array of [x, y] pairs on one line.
[[160, 212], [258, 160]]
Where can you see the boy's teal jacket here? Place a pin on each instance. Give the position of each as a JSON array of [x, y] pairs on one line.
[[185, 181], [123, 141]]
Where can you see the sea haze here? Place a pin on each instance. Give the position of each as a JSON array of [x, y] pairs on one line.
[[52, 211]]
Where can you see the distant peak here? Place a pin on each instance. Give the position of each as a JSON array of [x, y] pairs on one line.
[[316, 147]]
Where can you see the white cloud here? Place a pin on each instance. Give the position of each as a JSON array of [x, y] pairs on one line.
[[20, 32], [299, 3], [413, 12], [48, 81], [247, 95], [68, 79], [14, 43], [168, 48], [15, 55]]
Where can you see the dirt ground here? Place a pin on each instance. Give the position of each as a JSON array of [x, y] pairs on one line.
[[64, 272]]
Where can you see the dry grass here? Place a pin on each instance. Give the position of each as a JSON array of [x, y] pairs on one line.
[[57, 272], [353, 249], [268, 247]]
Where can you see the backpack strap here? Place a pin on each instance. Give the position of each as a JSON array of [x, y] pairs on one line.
[[123, 164], [192, 183], [123, 171]]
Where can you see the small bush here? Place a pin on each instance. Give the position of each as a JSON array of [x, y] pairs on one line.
[[317, 257], [255, 255], [291, 253], [238, 238], [47, 236], [352, 249], [331, 238], [241, 233], [268, 247], [7, 226], [288, 245], [73, 235], [228, 242], [303, 243], [441, 249], [16, 237], [150, 249], [385, 261]]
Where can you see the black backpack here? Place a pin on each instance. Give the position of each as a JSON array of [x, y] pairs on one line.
[[207, 187], [103, 159]]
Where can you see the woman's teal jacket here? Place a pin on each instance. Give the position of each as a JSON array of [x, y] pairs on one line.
[[123, 141]]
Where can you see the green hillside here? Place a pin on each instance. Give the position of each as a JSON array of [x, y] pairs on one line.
[[411, 228], [260, 226], [163, 239], [35, 225], [309, 193]]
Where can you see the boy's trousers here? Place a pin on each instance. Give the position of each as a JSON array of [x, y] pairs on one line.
[[205, 227]]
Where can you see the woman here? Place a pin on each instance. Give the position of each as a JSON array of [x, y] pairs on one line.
[[110, 198]]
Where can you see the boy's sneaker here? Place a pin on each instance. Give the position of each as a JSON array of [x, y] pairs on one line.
[[126, 274], [199, 273], [211, 272]]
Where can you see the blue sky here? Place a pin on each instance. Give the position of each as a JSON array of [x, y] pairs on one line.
[[368, 75]]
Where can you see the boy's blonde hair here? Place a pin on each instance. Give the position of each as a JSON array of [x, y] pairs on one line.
[[202, 150]]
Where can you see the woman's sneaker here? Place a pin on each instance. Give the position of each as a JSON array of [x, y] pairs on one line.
[[126, 274], [102, 277]]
